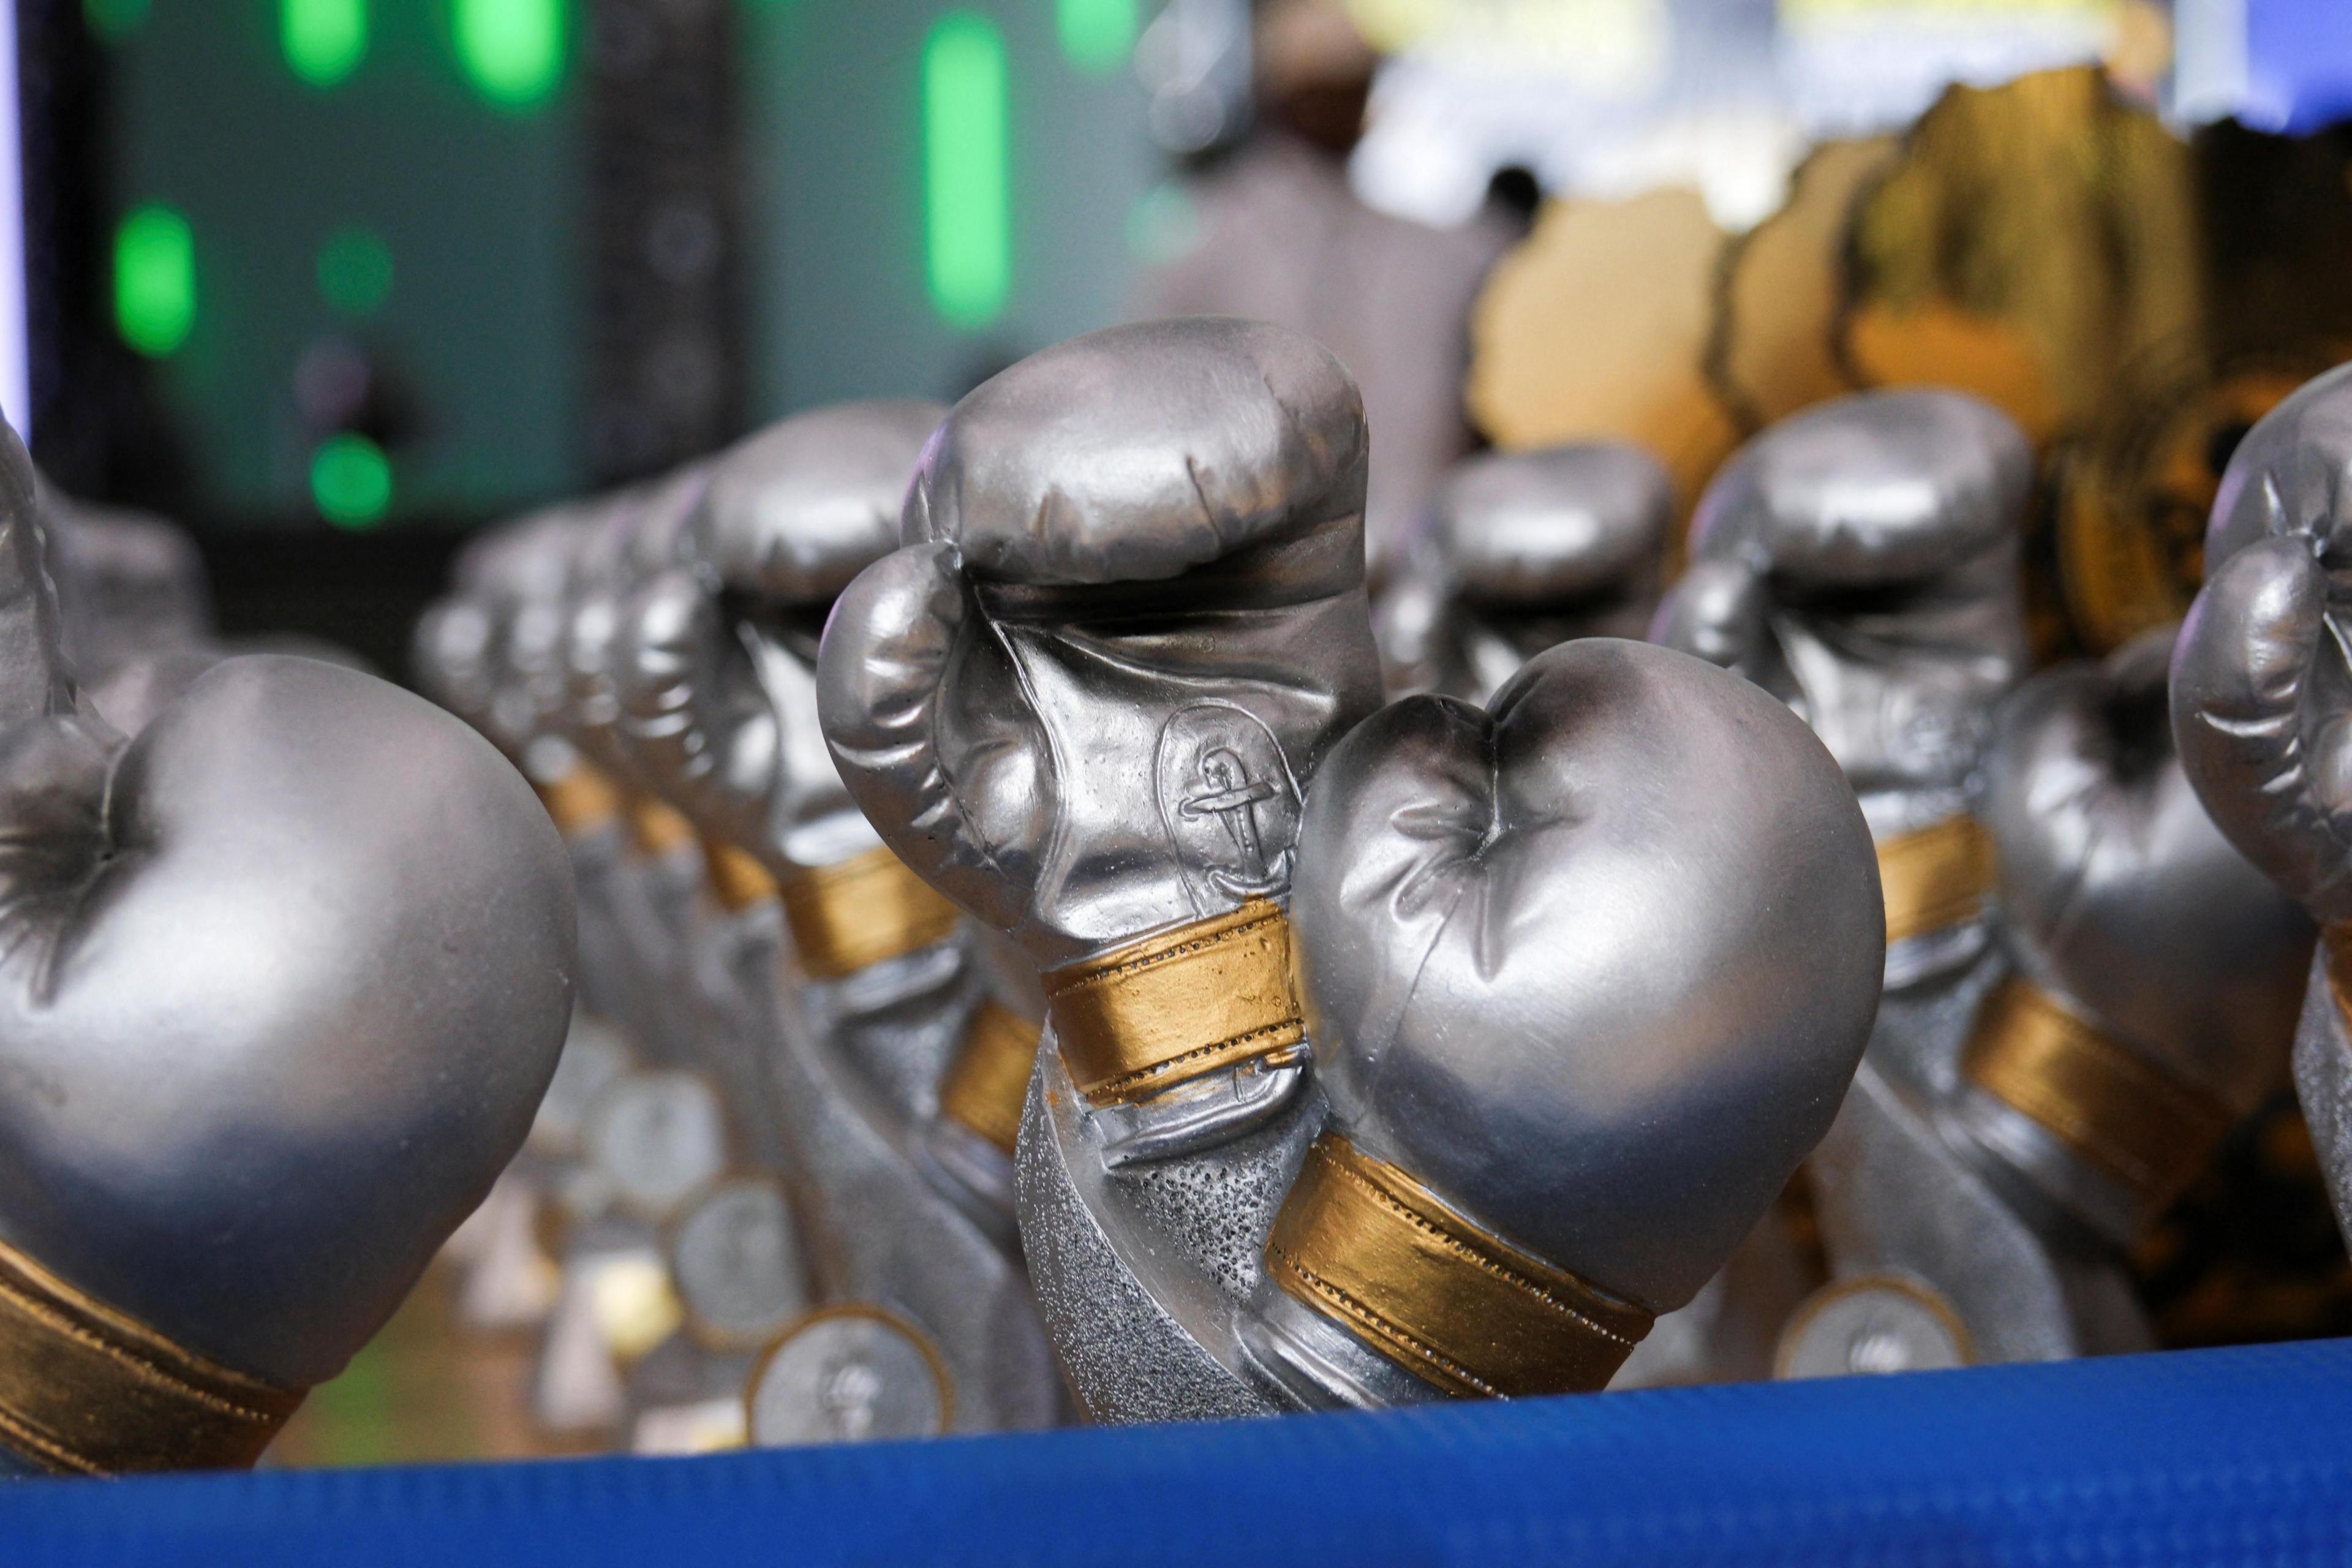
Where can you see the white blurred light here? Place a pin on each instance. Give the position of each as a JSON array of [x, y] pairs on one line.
[[15, 359]]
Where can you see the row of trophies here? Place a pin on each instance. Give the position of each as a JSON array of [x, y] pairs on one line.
[[1025, 972], [1024, 918], [1027, 975]]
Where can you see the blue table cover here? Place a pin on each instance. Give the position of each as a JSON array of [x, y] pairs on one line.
[[2206, 1457]]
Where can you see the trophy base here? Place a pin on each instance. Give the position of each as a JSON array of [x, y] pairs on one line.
[[1139, 1270]]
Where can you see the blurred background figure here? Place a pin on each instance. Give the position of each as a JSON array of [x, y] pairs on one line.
[[1280, 235]]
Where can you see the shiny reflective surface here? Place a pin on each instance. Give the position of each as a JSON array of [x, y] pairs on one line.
[[1085, 700], [1859, 561], [1130, 558], [1535, 991], [2261, 690], [1527, 549], [287, 976]]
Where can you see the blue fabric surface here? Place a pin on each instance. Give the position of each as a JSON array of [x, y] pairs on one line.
[[2209, 1457]]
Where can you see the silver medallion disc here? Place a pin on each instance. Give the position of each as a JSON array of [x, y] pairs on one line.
[[737, 1265], [848, 1375], [1877, 1323], [656, 1137]]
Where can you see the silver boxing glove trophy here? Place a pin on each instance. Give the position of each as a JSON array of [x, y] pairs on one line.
[[1860, 562], [2261, 687], [1083, 700], [2046, 1072], [1525, 550], [287, 974], [1091, 699], [2145, 996], [897, 1078]]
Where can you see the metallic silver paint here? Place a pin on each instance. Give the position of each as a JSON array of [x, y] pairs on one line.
[[711, 668], [285, 979], [2262, 686], [1526, 550], [1126, 557]]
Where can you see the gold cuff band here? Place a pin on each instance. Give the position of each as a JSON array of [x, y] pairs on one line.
[[2105, 1102], [861, 911], [1178, 1005], [989, 1080], [1365, 1245], [582, 801], [737, 878], [86, 1390], [1935, 878], [655, 828]]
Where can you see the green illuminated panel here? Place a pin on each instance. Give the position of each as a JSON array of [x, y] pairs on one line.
[[968, 227], [355, 271], [1095, 33], [323, 40], [511, 50], [351, 480], [154, 280], [113, 19]]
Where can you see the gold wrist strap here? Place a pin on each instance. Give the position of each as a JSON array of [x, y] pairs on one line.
[[737, 878], [2103, 1100], [656, 827], [989, 1080], [1365, 1245], [86, 1390], [581, 801], [861, 911], [1178, 1005], [1935, 878]]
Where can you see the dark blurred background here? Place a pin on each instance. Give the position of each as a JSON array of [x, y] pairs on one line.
[[333, 282]]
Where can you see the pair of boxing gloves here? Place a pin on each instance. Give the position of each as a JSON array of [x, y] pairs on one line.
[[1581, 976]]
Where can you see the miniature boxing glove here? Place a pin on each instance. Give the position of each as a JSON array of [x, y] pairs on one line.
[[1588, 975], [2156, 973], [876, 1016], [1859, 561], [1084, 699], [2261, 693], [287, 977], [1527, 549]]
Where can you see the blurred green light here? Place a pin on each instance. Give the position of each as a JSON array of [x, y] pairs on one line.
[[323, 40], [154, 280], [1095, 33], [511, 50], [968, 225], [351, 480], [355, 271], [113, 20]]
